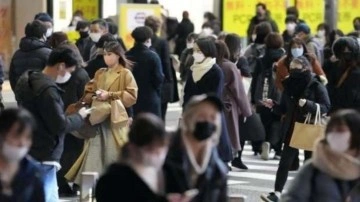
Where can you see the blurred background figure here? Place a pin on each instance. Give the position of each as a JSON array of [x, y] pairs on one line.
[[186, 58], [97, 29], [328, 52], [289, 33], [292, 10], [322, 34], [114, 29], [84, 43], [57, 39], [262, 15], [48, 21], [77, 17], [183, 30], [213, 22], [21, 178], [356, 24], [333, 172]]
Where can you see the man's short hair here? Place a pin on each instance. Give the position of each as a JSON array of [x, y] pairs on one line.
[[63, 54], [36, 29], [141, 34], [102, 24]]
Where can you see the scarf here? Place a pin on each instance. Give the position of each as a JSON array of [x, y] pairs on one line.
[[200, 69], [296, 86], [340, 166]]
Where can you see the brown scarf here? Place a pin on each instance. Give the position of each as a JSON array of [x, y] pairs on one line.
[[341, 166]]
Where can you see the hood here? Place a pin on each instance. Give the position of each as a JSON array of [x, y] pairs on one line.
[[273, 55], [31, 84], [338, 165], [29, 44]]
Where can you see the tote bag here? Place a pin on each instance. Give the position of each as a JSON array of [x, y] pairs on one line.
[[305, 134]]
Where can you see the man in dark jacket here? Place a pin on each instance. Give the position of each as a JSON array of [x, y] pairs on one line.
[[262, 15], [147, 72], [33, 53], [38, 93], [183, 30], [161, 47], [84, 43]]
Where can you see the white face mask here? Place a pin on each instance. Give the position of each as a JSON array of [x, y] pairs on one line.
[[339, 142], [321, 33], [207, 31], [14, 154], [297, 52], [95, 37], [63, 79], [198, 57], [189, 45], [253, 37], [148, 43], [155, 161], [290, 27], [49, 32]]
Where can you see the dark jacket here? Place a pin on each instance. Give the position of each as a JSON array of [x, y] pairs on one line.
[[84, 45], [315, 92], [161, 47], [311, 184], [32, 55], [255, 21], [27, 185], [149, 76], [243, 65], [186, 61], [40, 95], [287, 38], [212, 185], [264, 71], [120, 182], [95, 65], [74, 88], [252, 53], [183, 30]]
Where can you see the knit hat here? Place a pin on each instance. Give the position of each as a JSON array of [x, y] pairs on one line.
[[44, 17]]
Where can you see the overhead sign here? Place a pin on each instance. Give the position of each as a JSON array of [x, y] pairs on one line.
[[90, 8], [132, 16], [312, 11], [347, 11]]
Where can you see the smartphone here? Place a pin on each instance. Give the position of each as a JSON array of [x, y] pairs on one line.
[[191, 193]]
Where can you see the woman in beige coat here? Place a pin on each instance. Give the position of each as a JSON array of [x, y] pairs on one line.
[[111, 93]]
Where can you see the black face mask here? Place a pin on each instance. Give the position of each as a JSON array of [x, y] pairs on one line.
[[84, 34], [299, 73], [347, 56], [204, 130]]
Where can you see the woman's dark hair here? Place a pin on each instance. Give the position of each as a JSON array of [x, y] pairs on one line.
[[9, 117], [141, 34], [73, 47], [262, 30], [58, 38], [106, 38], [63, 55], [192, 36], [274, 41], [233, 43], [36, 29], [153, 22], [115, 47], [350, 118], [289, 56], [332, 37], [82, 25], [210, 16], [347, 42], [222, 52], [207, 46]]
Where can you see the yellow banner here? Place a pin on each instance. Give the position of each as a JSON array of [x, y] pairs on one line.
[[90, 8], [5, 32], [132, 16], [312, 11], [347, 11]]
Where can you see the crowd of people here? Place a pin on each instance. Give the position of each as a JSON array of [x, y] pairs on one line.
[[96, 106]]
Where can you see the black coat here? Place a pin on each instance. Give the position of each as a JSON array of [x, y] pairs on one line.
[[149, 76], [27, 185], [315, 92], [183, 30], [40, 95], [84, 45], [212, 184], [121, 183], [161, 47], [95, 65], [186, 61], [255, 21], [32, 55]]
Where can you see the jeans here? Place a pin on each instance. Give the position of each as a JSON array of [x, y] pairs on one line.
[[288, 156], [50, 183]]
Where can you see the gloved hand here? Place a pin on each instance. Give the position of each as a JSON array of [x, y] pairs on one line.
[[84, 112], [323, 79], [245, 119], [302, 102]]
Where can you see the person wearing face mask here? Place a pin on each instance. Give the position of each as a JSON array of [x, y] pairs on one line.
[[148, 72], [296, 49], [20, 176], [333, 172], [322, 34], [48, 21], [97, 29], [116, 87], [138, 175], [77, 17], [84, 43], [186, 58], [32, 54], [114, 30], [193, 162], [207, 77], [289, 33], [211, 22], [38, 92], [344, 77], [302, 93], [329, 57]]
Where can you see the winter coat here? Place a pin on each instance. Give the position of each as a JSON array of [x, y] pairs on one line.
[[282, 71], [122, 181], [255, 21], [27, 185], [186, 61], [32, 55], [243, 65], [149, 76], [252, 53], [84, 45], [183, 30], [40, 95], [315, 92], [95, 65], [328, 176], [235, 101], [212, 184], [161, 47]]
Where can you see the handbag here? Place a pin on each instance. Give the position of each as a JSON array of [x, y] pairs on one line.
[[305, 134], [100, 111], [119, 115]]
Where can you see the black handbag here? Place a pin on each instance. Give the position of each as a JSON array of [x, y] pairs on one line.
[[252, 129]]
